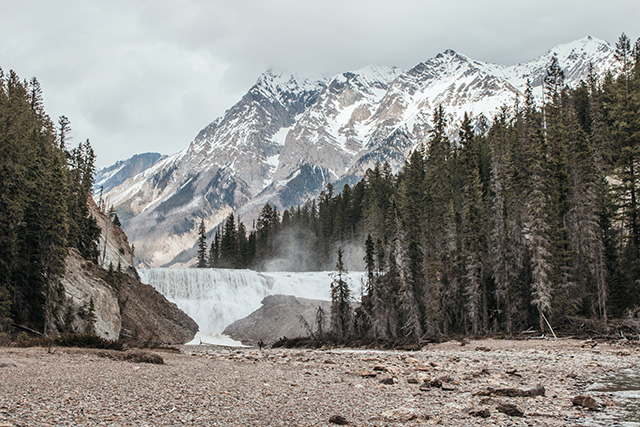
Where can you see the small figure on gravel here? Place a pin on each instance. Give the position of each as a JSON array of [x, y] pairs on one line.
[[260, 344]]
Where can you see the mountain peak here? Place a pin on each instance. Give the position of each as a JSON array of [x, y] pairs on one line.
[[275, 82], [378, 73], [585, 46]]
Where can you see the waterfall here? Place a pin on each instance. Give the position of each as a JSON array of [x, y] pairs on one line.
[[215, 298]]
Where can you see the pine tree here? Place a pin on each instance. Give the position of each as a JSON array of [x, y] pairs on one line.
[[229, 244], [202, 246], [116, 221], [341, 315], [625, 112], [370, 269], [214, 252], [244, 251], [539, 230], [412, 281], [473, 224], [438, 224]]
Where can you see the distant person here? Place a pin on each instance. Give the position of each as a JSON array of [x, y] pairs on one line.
[[260, 344]]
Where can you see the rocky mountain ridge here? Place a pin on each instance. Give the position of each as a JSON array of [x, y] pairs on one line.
[[289, 136]]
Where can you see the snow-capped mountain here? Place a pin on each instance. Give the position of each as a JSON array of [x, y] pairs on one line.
[[289, 136], [122, 170]]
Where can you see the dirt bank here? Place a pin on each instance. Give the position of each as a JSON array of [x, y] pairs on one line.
[[444, 384]]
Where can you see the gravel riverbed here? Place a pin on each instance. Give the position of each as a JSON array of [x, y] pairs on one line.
[[448, 384]]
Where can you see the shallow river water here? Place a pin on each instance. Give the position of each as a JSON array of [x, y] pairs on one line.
[[623, 389]]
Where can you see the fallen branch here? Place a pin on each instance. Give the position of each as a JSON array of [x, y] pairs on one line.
[[550, 328], [26, 328]]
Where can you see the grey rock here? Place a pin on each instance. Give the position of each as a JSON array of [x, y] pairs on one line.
[[5, 362], [279, 316], [338, 419], [510, 409], [585, 402]]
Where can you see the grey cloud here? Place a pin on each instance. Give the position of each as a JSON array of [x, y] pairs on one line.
[[148, 75]]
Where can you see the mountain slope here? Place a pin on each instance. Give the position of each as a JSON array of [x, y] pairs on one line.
[[119, 172], [288, 137]]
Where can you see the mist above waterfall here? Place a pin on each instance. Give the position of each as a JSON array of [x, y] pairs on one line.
[[295, 251], [215, 298]]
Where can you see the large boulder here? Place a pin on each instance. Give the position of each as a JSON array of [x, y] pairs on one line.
[[121, 306], [280, 315]]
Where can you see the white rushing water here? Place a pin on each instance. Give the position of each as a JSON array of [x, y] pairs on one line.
[[215, 298]]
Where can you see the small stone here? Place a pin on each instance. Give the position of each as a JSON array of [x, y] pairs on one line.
[[482, 413], [510, 409], [413, 380], [586, 402], [387, 381], [338, 419], [435, 383], [367, 374], [403, 415], [5, 362]]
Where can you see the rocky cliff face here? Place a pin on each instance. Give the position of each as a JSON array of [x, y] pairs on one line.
[[288, 137], [279, 316], [114, 303], [84, 286], [113, 244]]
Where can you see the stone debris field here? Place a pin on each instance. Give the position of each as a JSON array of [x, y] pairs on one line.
[[481, 383]]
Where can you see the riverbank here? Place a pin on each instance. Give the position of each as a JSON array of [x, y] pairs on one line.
[[447, 384]]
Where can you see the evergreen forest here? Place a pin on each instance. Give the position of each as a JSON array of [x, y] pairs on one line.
[[519, 223], [44, 188]]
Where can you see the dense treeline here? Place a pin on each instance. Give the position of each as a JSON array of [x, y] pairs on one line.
[[531, 220], [43, 205]]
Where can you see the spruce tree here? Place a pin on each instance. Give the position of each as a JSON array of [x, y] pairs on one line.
[[473, 224], [202, 246], [229, 244], [341, 315]]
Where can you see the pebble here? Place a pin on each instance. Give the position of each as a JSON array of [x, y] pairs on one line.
[[209, 386]]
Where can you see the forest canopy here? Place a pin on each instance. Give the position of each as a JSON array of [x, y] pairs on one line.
[[44, 188], [530, 218]]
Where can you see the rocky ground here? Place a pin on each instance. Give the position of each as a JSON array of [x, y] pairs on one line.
[[481, 383]]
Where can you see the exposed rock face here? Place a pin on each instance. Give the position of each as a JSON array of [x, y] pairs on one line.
[[147, 316], [117, 303], [279, 316], [82, 286], [113, 244], [123, 306]]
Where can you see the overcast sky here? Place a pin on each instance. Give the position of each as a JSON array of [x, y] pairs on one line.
[[138, 76]]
